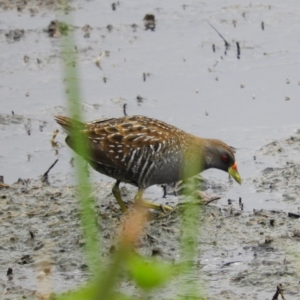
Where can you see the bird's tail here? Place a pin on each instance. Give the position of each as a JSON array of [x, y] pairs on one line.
[[69, 124]]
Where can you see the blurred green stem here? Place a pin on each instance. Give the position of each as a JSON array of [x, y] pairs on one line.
[[88, 218], [190, 226]]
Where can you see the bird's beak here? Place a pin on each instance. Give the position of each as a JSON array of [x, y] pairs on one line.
[[233, 172]]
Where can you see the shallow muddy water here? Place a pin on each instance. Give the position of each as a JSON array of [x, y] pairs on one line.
[[182, 74]]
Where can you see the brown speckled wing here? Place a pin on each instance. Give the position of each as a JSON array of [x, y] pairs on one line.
[[120, 142]]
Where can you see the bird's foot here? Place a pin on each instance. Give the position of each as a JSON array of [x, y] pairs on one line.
[[163, 208]]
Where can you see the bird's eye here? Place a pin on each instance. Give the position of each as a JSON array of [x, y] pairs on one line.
[[224, 158]]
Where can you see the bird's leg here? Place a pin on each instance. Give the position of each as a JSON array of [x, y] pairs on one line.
[[139, 196], [164, 186], [117, 194], [139, 200]]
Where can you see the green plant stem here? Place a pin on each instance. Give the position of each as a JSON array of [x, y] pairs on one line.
[[86, 203], [109, 278], [190, 226]]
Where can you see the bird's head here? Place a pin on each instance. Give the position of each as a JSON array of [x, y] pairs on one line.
[[220, 156]]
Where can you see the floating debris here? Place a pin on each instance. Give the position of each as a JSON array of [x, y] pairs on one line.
[[149, 21], [109, 27], [57, 28], [139, 99], [134, 27], [54, 144], [15, 35], [87, 30], [98, 59], [42, 126], [28, 126], [72, 162], [26, 59]]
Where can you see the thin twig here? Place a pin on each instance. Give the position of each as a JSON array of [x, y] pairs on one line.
[[4, 185], [45, 175], [211, 200], [226, 43], [260, 213], [124, 109]]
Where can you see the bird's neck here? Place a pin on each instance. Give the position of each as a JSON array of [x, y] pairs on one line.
[[194, 156]]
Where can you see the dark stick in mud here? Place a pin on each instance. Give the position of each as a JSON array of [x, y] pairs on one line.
[[211, 200], [241, 204], [9, 272], [238, 50], [45, 176], [164, 190], [124, 109], [293, 215], [226, 43]]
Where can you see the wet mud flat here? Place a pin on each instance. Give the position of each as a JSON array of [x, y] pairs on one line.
[[241, 254]]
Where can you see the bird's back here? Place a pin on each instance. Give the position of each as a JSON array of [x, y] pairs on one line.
[[136, 149]]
